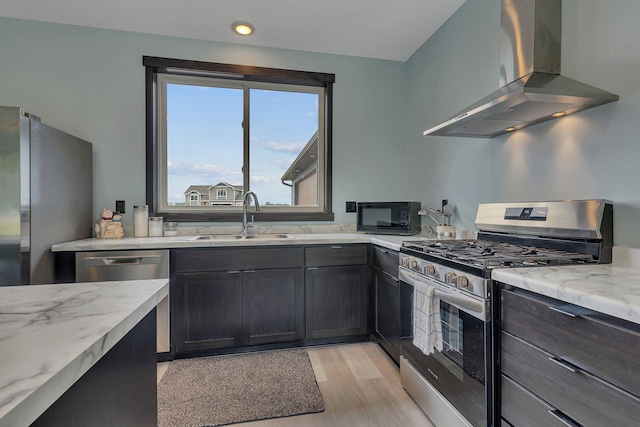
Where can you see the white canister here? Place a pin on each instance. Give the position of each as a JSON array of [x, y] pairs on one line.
[[155, 226], [140, 219], [170, 228], [446, 232]]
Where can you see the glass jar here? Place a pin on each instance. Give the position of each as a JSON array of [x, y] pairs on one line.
[[155, 226], [170, 228], [140, 217]]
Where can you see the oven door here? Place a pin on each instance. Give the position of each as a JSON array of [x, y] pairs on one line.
[[461, 372]]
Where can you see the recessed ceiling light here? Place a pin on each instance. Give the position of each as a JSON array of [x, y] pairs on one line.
[[242, 28], [558, 114], [509, 129]]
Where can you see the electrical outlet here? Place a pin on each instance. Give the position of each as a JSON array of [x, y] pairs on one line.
[[351, 207], [445, 202], [120, 206]]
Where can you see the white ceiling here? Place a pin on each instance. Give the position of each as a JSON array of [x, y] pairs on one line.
[[383, 29]]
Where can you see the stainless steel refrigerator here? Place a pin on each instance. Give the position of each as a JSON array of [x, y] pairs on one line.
[[46, 178]]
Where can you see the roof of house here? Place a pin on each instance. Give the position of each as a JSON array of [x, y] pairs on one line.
[[307, 157], [204, 189]]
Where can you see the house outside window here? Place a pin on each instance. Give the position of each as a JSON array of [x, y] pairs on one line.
[[218, 124]]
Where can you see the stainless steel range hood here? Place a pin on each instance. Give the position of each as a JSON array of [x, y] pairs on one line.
[[532, 90]]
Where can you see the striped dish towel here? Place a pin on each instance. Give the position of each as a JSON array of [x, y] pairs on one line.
[[427, 326]]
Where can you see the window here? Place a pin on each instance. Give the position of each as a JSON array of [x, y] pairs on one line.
[[221, 130]]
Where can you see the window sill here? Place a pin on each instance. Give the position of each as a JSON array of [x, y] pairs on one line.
[[237, 216]]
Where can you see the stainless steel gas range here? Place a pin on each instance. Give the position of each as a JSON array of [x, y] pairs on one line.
[[452, 380]]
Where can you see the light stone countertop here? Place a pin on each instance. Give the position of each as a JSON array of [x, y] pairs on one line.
[[93, 244], [613, 289], [51, 335]]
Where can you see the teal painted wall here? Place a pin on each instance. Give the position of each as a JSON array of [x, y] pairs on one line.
[[90, 83], [592, 154]]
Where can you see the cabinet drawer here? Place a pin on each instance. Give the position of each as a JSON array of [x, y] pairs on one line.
[[602, 345], [520, 408], [578, 394], [386, 260], [223, 259], [335, 255]]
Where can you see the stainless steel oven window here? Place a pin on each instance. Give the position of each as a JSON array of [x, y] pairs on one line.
[[463, 343], [452, 332]]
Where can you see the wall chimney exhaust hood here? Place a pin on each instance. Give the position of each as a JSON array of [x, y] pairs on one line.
[[532, 90]]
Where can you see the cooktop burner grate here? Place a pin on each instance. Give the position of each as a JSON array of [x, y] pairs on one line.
[[490, 254]]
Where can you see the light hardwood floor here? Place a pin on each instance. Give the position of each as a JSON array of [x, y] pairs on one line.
[[360, 386]]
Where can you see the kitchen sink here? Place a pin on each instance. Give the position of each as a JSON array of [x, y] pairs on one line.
[[267, 236], [241, 237]]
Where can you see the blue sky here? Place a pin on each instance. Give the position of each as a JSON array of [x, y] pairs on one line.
[[204, 128]]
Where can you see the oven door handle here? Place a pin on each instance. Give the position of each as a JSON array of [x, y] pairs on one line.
[[474, 306], [462, 301]]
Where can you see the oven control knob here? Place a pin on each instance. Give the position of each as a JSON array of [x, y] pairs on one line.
[[414, 264], [429, 270], [461, 282], [449, 277], [405, 262]]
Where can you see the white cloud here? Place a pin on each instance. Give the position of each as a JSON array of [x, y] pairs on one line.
[[257, 178], [205, 170], [282, 163], [291, 147]]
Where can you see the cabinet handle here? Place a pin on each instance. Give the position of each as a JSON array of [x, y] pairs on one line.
[[571, 310], [234, 272], [564, 419], [389, 275], [312, 268], [566, 365], [336, 247], [573, 368]]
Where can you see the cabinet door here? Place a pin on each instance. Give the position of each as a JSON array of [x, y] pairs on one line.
[[336, 301], [272, 306], [386, 260], [387, 312], [208, 310]]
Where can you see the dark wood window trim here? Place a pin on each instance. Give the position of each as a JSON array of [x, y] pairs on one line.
[[154, 66]]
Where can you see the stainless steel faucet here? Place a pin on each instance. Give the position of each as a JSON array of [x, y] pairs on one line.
[[246, 199]]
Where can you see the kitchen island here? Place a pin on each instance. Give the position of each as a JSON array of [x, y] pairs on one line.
[[73, 352]]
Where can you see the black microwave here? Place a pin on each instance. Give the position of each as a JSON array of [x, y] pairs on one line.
[[389, 217]]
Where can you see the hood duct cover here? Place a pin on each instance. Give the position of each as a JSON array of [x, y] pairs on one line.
[[532, 90]]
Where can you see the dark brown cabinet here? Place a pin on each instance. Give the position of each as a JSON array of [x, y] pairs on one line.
[[272, 306], [336, 296], [252, 301], [562, 364], [208, 310], [386, 300]]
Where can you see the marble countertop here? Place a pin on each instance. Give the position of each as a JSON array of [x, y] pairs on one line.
[[613, 289], [51, 335], [93, 244]]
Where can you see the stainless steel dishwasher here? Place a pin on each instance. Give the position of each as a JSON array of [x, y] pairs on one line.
[[129, 265]]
